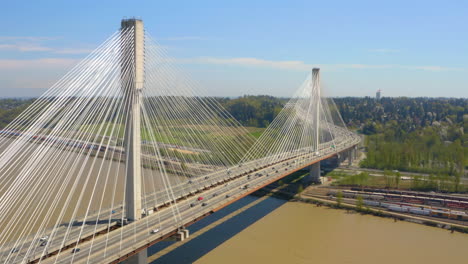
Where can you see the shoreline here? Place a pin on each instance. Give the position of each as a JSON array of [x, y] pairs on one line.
[[299, 197]]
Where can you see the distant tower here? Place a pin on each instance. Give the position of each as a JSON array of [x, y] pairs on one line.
[[377, 95]]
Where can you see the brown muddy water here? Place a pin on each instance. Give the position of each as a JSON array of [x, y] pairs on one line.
[[304, 233]]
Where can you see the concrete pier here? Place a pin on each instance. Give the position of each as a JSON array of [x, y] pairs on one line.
[[314, 174], [140, 258], [179, 236]]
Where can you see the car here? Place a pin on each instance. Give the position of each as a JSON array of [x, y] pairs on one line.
[[276, 171], [227, 196], [44, 238], [200, 198], [43, 243], [215, 194], [206, 178], [204, 204], [14, 250], [190, 181], [192, 205], [75, 250], [154, 231]]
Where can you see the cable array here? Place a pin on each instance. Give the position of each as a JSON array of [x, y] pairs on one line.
[[62, 161], [308, 123]]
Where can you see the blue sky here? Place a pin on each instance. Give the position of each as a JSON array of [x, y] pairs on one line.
[[405, 48]]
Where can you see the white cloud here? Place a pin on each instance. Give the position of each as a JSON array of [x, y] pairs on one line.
[[73, 51], [302, 66], [42, 63], [24, 47], [291, 65], [35, 44]]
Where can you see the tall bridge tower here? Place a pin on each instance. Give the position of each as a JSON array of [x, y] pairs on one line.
[[132, 79], [132, 74], [314, 169]]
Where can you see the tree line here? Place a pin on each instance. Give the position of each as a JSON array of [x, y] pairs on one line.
[[411, 134]]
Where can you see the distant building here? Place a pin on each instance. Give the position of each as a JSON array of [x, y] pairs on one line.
[[377, 95]]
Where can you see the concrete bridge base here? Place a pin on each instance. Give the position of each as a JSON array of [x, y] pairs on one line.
[[180, 236], [314, 174], [140, 258]]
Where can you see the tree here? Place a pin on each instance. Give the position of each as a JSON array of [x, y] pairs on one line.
[[456, 182], [388, 178], [339, 198], [416, 183], [359, 202], [397, 179], [300, 188]]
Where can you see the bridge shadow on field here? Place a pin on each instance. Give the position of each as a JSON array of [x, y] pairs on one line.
[[201, 245]]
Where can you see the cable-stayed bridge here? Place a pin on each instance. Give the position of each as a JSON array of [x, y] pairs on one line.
[[125, 151]]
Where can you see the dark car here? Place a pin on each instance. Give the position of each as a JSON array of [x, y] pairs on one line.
[[75, 250], [204, 204]]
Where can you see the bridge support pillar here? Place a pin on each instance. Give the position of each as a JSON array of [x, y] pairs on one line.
[[350, 157], [140, 258], [352, 154], [314, 174], [179, 236]]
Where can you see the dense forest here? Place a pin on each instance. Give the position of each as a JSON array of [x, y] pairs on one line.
[[411, 134], [408, 134]]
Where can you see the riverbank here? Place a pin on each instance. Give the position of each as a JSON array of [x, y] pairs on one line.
[[307, 196], [381, 213]]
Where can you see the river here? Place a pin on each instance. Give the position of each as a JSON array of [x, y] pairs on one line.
[[304, 233]]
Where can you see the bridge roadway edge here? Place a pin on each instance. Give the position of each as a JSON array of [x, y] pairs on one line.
[[148, 244]]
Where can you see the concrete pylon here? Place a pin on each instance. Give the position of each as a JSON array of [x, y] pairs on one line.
[[350, 157], [314, 174], [132, 62], [133, 77], [140, 258], [316, 88]]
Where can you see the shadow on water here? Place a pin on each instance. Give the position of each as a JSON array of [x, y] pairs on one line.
[[201, 245]]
